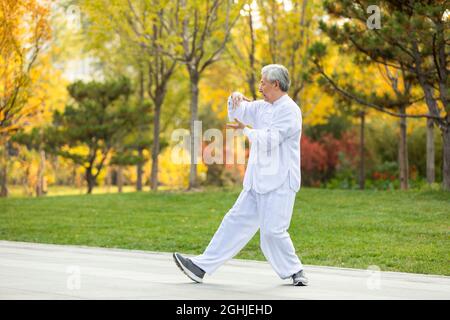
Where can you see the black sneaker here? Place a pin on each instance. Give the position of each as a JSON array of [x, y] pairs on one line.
[[299, 279], [189, 268]]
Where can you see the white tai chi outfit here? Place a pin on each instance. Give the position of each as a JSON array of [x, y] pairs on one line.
[[271, 181]]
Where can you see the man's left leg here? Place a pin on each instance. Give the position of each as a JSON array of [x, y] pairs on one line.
[[275, 212]]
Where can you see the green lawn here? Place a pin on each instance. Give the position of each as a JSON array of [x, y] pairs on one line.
[[397, 231]]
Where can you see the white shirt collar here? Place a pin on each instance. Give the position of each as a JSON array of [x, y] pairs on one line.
[[280, 100]]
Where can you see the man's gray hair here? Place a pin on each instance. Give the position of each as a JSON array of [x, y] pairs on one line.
[[277, 72]]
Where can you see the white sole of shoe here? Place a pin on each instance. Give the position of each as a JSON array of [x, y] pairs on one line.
[[186, 271]]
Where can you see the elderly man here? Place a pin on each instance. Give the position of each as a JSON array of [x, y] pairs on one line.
[[271, 181]]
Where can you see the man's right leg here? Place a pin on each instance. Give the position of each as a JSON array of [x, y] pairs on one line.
[[237, 228]]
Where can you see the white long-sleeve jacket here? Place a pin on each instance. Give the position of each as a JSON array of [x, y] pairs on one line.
[[275, 142]]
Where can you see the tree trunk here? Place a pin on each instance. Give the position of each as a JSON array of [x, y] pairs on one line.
[[251, 76], [4, 179], [446, 157], [90, 180], [445, 131], [40, 185], [194, 78], [443, 125], [362, 174], [430, 152], [120, 179], [403, 153], [155, 147], [139, 166], [4, 172], [139, 171]]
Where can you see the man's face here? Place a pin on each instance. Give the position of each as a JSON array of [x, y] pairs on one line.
[[268, 89]]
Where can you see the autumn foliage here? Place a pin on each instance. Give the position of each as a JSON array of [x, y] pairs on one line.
[[320, 159], [24, 29]]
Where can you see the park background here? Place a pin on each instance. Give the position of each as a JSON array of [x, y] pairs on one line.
[[91, 92]]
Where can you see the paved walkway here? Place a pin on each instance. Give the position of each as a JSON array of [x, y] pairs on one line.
[[44, 271]]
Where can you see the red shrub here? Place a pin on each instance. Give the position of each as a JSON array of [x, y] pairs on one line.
[[313, 161], [320, 159]]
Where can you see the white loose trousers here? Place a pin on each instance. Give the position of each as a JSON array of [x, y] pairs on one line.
[[271, 213]]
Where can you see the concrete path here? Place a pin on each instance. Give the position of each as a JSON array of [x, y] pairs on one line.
[[43, 271]]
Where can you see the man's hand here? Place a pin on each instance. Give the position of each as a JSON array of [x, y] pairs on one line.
[[237, 125], [237, 97]]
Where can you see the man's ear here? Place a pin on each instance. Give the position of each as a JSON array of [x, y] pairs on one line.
[[276, 83]]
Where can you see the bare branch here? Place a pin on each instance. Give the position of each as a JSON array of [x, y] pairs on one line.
[[361, 101]]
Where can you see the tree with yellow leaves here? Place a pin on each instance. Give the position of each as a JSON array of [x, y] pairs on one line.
[[24, 31]]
